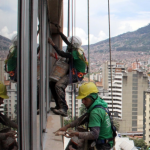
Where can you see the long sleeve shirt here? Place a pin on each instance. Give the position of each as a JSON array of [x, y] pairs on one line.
[[5, 121], [89, 135]]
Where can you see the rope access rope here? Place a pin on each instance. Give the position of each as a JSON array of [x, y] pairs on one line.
[[110, 53], [88, 41]]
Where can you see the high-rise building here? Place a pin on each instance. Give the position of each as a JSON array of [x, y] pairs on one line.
[[146, 117], [10, 104], [115, 92], [1, 70], [73, 103], [127, 94], [135, 82]]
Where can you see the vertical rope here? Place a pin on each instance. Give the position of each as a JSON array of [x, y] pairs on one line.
[[68, 18], [88, 41], [110, 54], [74, 17]]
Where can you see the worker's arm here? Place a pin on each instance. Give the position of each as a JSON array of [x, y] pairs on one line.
[[60, 52], [4, 120], [65, 39], [81, 120], [91, 135], [3, 136]]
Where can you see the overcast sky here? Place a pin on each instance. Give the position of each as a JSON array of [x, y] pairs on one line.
[[126, 15]]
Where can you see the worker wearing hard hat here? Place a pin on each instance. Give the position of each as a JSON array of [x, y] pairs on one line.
[[98, 120], [4, 120], [77, 62]]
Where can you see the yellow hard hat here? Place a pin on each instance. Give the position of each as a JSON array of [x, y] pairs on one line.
[[3, 91], [86, 89]]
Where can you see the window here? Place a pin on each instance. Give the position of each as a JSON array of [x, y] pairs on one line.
[[134, 109], [134, 113], [134, 84], [135, 88], [134, 75], [134, 129], [134, 105], [134, 117], [134, 96], [135, 80], [134, 123], [134, 101], [134, 92]]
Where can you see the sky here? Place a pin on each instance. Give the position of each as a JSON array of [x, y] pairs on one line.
[[126, 15]]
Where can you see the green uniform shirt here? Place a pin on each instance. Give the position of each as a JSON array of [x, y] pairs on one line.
[[79, 64], [100, 118]]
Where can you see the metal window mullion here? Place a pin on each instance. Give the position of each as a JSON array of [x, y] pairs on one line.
[[34, 11], [47, 68], [42, 69], [24, 75]]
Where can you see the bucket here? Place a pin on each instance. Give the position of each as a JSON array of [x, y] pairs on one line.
[[60, 69]]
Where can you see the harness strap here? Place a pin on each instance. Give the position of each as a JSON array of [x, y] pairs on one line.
[[101, 141]]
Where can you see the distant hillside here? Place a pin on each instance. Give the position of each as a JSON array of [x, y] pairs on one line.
[[4, 46], [138, 40], [4, 43]]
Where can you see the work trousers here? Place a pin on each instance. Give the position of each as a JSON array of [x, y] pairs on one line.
[[58, 91], [104, 146]]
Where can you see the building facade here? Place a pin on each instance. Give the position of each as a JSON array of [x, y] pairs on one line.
[[135, 82]]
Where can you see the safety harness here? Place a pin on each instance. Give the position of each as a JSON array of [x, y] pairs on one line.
[[100, 141]]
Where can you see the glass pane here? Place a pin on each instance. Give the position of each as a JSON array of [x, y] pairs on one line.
[[8, 73]]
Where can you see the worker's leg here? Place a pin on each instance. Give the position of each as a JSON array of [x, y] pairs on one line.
[[54, 94], [105, 146], [60, 90]]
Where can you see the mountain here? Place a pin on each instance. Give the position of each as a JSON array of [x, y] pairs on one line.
[[4, 46], [138, 40], [4, 43]]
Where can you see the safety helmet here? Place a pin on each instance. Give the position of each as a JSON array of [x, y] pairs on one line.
[[86, 89], [3, 91], [75, 40]]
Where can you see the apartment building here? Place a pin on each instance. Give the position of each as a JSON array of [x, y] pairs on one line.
[[73, 103], [135, 82], [146, 116], [10, 105], [114, 93]]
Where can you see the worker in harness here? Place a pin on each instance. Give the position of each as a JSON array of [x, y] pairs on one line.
[[7, 139], [77, 63], [98, 120]]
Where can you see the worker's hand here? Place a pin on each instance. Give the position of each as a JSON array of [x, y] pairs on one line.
[[63, 128], [52, 55], [51, 41], [58, 29], [11, 134], [71, 148], [71, 133], [15, 148]]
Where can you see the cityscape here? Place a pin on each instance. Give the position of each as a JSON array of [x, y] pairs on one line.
[[41, 108]]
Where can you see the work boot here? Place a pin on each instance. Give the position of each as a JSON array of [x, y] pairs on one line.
[[61, 112], [56, 107]]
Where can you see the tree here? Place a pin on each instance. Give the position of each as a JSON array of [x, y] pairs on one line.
[[140, 143], [82, 109], [69, 118]]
